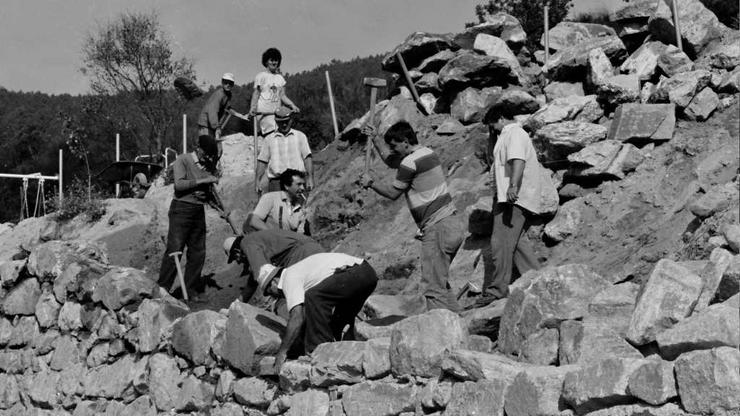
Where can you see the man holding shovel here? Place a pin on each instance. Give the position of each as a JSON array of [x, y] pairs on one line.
[[212, 118]]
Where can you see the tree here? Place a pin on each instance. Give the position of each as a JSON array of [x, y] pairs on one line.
[[530, 13], [132, 57]]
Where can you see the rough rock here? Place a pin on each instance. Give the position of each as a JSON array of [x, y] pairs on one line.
[[643, 122], [49, 260], [615, 304], [194, 395], [123, 286], [43, 389], [709, 380], [9, 392], [164, 378], [10, 271], [731, 81], [397, 109], [566, 221], [114, 381], [714, 200], [474, 366], [731, 232], [644, 61], [585, 109], [194, 335], [428, 83], [470, 105], [253, 391], [250, 333], [556, 141], [415, 48], [436, 394], [450, 126], [224, 386], [154, 319], [471, 69], [715, 326], [556, 90], [429, 102], [571, 63], [337, 363], [608, 159], [70, 317], [537, 392], [702, 105], [485, 321], [554, 294], [668, 297], [434, 63], [681, 88], [669, 409], [719, 261], [6, 331], [600, 384], [567, 34], [516, 101], [419, 343], [654, 382], [66, 353], [592, 340], [497, 48], [600, 68], [502, 25], [673, 61], [374, 398], [477, 398], [619, 89], [25, 332], [541, 347], [698, 25], [47, 310], [376, 359], [294, 375], [21, 300], [728, 286]]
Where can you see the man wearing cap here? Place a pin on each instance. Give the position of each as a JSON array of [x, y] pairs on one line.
[[259, 249], [217, 104], [324, 292], [194, 175], [285, 148], [283, 209]]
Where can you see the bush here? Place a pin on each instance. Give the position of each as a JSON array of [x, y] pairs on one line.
[[77, 200]]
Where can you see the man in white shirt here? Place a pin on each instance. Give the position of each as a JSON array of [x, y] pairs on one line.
[[325, 292]]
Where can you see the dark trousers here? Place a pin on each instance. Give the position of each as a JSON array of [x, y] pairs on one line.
[[510, 247], [187, 229], [439, 245], [335, 302]]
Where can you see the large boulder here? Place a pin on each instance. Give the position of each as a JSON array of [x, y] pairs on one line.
[[194, 335], [250, 333], [502, 25], [709, 380], [566, 221], [48, 261], [600, 384], [496, 48], [21, 300], [434, 63], [537, 392], [154, 318], [702, 105], [26, 235], [337, 363], [471, 105], [681, 88], [592, 340], [599, 67], [698, 25], [571, 63], [630, 20], [477, 398], [373, 398], [673, 61], [731, 81], [723, 53], [415, 48], [573, 107], [516, 101], [644, 61], [164, 378], [556, 141], [419, 343], [554, 294], [608, 159], [654, 382], [669, 296], [474, 366], [555, 90], [567, 34], [619, 89], [122, 286], [643, 122], [471, 69]]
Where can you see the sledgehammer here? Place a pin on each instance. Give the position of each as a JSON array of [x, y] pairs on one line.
[[374, 84]]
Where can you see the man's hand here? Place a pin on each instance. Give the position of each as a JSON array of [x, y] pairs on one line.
[[279, 361], [366, 180], [309, 184], [368, 130], [512, 194], [218, 133], [257, 188], [295, 109], [207, 180]]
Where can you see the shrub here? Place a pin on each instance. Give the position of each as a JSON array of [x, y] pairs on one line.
[[77, 200]]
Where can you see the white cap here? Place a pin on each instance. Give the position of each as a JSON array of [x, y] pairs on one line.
[[228, 77]]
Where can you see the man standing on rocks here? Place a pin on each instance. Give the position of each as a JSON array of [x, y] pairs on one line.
[[285, 148], [195, 175], [421, 178], [518, 186], [211, 115], [324, 292], [283, 209], [262, 250]]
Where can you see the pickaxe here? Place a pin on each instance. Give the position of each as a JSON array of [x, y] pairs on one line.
[[374, 84], [176, 258]]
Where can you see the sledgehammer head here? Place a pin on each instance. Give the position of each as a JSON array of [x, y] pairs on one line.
[[374, 82]]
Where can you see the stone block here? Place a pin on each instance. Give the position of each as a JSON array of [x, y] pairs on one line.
[[601, 384], [541, 347], [21, 300], [335, 363], [537, 391], [477, 398], [194, 335], [376, 359], [255, 392], [375, 398], [654, 382], [709, 380], [715, 326], [123, 286]]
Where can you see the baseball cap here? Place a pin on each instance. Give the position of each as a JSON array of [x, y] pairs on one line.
[[282, 114], [228, 77]]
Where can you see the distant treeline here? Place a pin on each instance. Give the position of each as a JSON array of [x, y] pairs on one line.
[[32, 128]]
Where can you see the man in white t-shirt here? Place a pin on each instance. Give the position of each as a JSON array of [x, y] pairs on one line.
[[518, 187], [324, 292]]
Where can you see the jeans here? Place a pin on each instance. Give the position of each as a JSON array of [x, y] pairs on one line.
[[187, 229], [439, 245], [510, 247], [335, 302]]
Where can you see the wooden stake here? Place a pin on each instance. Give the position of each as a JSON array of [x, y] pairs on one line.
[[61, 192], [254, 160], [676, 24], [118, 158], [184, 134], [547, 36], [331, 105]]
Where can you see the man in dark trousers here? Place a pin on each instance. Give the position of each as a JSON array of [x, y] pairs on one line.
[[211, 116], [324, 293], [194, 175]]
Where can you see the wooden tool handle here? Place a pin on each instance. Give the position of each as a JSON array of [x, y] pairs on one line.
[[370, 121], [412, 88]]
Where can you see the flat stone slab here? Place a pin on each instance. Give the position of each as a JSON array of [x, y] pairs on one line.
[[643, 122]]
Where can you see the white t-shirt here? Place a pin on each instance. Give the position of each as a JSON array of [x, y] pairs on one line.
[[309, 272], [270, 86]]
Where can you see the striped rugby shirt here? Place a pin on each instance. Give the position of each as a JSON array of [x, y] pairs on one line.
[[422, 178]]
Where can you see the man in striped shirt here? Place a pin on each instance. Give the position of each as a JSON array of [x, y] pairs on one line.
[[421, 178], [285, 148]]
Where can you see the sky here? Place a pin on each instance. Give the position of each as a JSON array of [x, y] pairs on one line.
[[41, 40]]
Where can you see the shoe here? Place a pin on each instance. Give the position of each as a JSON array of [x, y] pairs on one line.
[[482, 301]]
